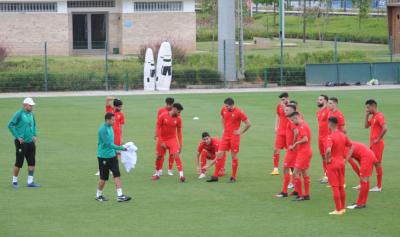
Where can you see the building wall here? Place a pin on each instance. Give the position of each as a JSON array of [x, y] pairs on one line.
[[25, 33], [150, 28]]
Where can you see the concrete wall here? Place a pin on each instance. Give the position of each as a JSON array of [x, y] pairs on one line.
[[150, 28], [25, 33]]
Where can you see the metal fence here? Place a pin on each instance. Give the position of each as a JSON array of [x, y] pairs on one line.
[[352, 73]]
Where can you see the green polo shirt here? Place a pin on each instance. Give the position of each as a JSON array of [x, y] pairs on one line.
[[106, 146], [23, 125]]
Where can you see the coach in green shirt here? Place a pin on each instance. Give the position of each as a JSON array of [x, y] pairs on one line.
[[23, 128], [107, 158]]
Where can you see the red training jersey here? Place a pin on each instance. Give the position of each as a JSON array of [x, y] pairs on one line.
[[322, 117], [304, 130], [211, 148], [232, 119], [119, 118], [169, 127], [290, 127], [162, 110], [361, 152], [283, 120], [376, 122], [338, 142], [339, 115]]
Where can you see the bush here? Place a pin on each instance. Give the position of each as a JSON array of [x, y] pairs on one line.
[[178, 53]]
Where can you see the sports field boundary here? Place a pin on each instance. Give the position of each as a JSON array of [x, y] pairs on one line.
[[192, 91]]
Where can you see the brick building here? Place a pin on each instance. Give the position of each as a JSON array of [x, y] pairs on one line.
[[84, 26]]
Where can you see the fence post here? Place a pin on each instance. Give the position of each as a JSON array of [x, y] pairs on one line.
[[391, 48], [335, 51], [265, 78], [225, 64], [126, 81], [46, 71], [106, 65]]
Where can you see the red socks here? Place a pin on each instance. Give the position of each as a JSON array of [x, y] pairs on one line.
[[379, 175], [203, 160], [159, 164], [336, 198], [363, 195], [342, 198], [170, 162], [235, 163], [297, 187], [178, 164], [306, 185], [286, 180], [276, 160]]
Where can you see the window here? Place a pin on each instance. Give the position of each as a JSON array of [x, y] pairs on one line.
[[86, 4], [158, 6], [28, 7]]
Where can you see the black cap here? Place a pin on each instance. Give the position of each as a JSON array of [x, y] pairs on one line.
[[284, 95]]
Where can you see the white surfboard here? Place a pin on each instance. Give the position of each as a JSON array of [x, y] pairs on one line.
[[164, 67], [149, 73]]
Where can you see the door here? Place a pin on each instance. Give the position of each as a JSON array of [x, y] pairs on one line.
[[89, 31], [80, 31]]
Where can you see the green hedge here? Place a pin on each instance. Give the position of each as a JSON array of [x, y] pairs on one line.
[[292, 76]]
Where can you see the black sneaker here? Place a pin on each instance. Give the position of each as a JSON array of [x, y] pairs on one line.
[[281, 195], [294, 193], [101, 198], [213, 179], [123, 198], [232, 180], [360, 206], [306, 197], [298, 199]]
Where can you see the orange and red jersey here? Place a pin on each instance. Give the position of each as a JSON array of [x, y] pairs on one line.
[[211, 148], [304, 130], [290, 133], [232, 120], [283, 120], [169, 127], [361, 152], [119, 118], [339, 115], [338, 142], [322, 116], [376, 122], [162, 110]]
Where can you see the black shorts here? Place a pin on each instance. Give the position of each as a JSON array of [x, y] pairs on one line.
[[107, 164], [25, 150]]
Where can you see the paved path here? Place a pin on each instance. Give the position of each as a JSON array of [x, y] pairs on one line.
[[191, 91]]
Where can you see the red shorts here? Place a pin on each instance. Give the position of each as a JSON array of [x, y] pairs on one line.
[[231, 143], [367, 166], [378, 150], [171, 146], [303, 160], [321, 146], [335, 173], [117, 138], [207, 155], [280, 141], [290, 159]]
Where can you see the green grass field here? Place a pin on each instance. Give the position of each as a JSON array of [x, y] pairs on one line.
[[66, 163]]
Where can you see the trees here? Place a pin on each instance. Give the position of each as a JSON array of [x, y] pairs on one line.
[[363, 6]]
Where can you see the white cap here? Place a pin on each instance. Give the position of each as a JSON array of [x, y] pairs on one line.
[[29, 101]]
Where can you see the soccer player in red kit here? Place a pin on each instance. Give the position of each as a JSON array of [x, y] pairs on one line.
[[290, 158], [118, 126], [280, 130], [207, 150], [302, 145], [335, 112], [376, 121], [231, 118], [169, 134], [322, 117], [168, 106], [336, 144], [366, 159]]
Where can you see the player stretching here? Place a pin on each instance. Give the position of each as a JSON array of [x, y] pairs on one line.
[[303, 156], [377, 132], [335, 112], [169, 134], [168, 106], [231, 118], [366, 159], [207, 150], [336, 144], [322, 117], [280, 130]]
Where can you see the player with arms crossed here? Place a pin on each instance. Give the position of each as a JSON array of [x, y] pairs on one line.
[[169, 134], [231, 118], [376, 121]]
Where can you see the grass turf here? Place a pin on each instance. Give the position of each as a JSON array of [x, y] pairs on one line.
[[66, 163]]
